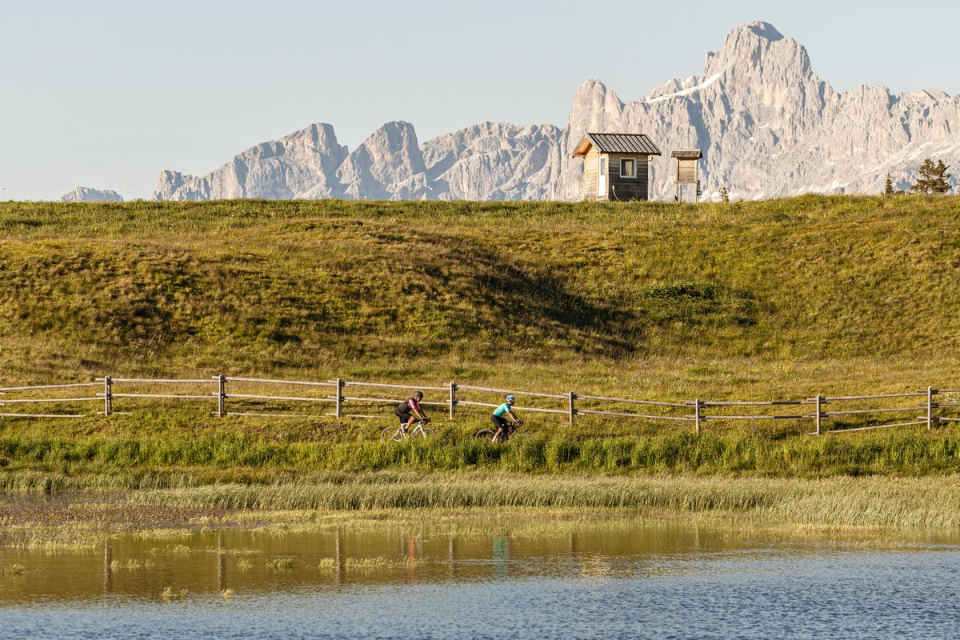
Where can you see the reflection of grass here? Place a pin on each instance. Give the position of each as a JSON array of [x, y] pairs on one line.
[[132, 564], [13, 570], [46, 535], [181, 550], [233, 552], [226, 594], [244, 565], [163, 534], [281, 564], [370, 564], [596, 567], [327, 565], [170, 594]]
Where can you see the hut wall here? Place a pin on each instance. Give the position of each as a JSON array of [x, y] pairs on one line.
[[591, 171], [621, 188]]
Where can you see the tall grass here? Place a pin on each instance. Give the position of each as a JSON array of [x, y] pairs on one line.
[[147, 462], [833, 502], [870, 502]]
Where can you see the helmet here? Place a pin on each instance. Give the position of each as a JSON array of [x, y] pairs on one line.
[[511, 399], [418, 395]]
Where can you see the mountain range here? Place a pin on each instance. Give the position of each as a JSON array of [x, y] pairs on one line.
[[768, 126]]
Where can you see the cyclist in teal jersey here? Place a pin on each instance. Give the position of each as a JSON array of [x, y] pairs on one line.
[[506, 409]]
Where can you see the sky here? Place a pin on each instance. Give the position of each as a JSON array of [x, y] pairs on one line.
[[107, 93]]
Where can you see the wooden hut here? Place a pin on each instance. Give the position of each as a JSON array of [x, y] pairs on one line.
[[616, 166]]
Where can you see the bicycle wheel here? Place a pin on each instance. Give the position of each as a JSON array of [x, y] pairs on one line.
[[427, 434], [392, 434], [520, 433], [485, 434]]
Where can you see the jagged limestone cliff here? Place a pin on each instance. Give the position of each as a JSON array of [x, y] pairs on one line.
[[767, 124]]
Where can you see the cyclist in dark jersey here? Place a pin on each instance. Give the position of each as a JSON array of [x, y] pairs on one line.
[[409, 410], [503, 427]]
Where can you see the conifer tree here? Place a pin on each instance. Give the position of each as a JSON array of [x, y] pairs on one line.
[[725, 195], [933, 178], [942, 182], [888, 186]]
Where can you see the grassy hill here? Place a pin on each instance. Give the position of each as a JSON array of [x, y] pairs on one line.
[[652, 297], [751, 301]]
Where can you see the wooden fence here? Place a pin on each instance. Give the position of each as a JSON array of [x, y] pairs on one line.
[[342, 398]]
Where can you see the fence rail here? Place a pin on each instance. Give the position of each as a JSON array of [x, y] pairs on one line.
[[229, 393], [49, 386]]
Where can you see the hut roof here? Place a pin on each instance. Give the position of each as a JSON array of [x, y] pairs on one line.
[[637, 143], [687, 154]]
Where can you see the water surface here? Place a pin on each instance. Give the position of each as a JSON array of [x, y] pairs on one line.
[[527, 580]]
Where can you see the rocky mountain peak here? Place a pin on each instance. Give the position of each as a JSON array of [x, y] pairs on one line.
[[387, 166], [766, 123], [761, 29], [300, 165], [602, 104], [85, 194], [755, 49]]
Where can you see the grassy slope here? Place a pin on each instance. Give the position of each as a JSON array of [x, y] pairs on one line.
[[782, 298], [278, 286]]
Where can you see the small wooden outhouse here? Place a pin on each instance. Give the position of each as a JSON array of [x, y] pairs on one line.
[[616, 166], [688, 169]]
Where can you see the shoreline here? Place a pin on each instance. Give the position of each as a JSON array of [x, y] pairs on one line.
[[913, 506]]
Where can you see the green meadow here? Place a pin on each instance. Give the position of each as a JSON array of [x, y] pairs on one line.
[[782, 299], [656, 298]]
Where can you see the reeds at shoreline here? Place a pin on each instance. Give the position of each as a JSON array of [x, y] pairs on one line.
[[893, 503]]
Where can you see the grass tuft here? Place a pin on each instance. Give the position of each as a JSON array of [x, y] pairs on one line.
[[281, 564], [169, 593]]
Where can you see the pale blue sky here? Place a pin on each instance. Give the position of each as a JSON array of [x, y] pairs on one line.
[[107, 93]]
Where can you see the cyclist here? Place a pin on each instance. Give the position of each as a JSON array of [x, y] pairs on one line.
[[504, 427], [409, 410]]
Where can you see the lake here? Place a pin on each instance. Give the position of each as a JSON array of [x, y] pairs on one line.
[[521, 579]]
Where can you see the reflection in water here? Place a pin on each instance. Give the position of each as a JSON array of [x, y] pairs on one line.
[[621, 579], [501, 557], [142, 565], [276, 558], [107, 569]]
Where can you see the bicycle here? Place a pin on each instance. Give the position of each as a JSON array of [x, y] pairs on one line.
[[513, 431], [397, 434]]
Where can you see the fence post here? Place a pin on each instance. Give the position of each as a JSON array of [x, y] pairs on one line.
[[697, 415], [573, 411], [221, 395], [453, 398], [339, 410], [930, 392], [819, 414], [107, 395]]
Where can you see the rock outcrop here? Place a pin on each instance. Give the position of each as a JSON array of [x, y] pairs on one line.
[[301, 165], [767, 124], [83, 194], [496, 162], [387, 166]]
